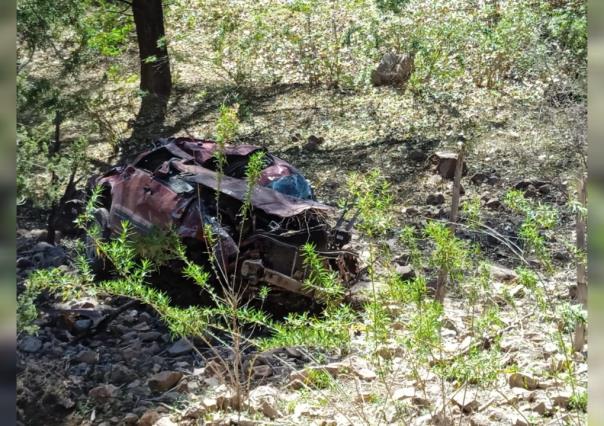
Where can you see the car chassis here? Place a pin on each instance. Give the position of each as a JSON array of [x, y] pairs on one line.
[[175, 186]]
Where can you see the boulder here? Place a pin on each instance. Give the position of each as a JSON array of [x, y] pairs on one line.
[[393, 70]]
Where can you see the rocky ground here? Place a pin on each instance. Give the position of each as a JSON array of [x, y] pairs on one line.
[[82, 370]]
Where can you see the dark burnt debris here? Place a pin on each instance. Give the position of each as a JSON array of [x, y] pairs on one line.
[[173, 186]]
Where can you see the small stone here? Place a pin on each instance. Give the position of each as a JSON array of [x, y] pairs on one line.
[[226, 398], [466, 401], [30, 344], [502, 274], [478, 178], [542, 408], [102, 392], [262, 372], [420, 401], [120, 374], [215, 368], [519, 394], [558, 364], [435, 199], [405, 272], [493, 204], [130, 419], [545, 189], [411, 211], [517, 292], [434, 180], [519, 380], [180, 347], [365, 373], [293, 352], [88, 357], [493, 179], [389, 351], [150, 335], [313, 143], [149, 418], [210, 404], [24, 263], [264, 399], [403, 393], [163, 381], [561, 399], [82, 325], [417, 155]]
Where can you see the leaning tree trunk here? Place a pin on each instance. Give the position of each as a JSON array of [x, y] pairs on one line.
[[155, 64]]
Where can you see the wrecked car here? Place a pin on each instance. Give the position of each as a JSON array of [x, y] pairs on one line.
[[174, 186]]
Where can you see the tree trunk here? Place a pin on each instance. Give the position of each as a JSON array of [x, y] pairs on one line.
[[155, 64]]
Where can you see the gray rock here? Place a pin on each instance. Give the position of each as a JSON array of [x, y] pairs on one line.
[[493, 204], [24, 263], [406, 272], [82, 325], [313, 143], [435, 199], [262, 372], [180, 347], [121, 374], [502, 274], [150, 335], [478, 178], [417, 155], [30, 344], [88, 357]]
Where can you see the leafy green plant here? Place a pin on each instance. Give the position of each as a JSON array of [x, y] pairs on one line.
[[578, 401], [330, 330], [449, 252], [538, 217], [323, 282]]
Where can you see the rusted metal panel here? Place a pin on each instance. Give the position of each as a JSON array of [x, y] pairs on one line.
[[174, 186], [268, 200]]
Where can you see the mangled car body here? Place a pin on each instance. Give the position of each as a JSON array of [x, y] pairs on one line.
[[174, 186]]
